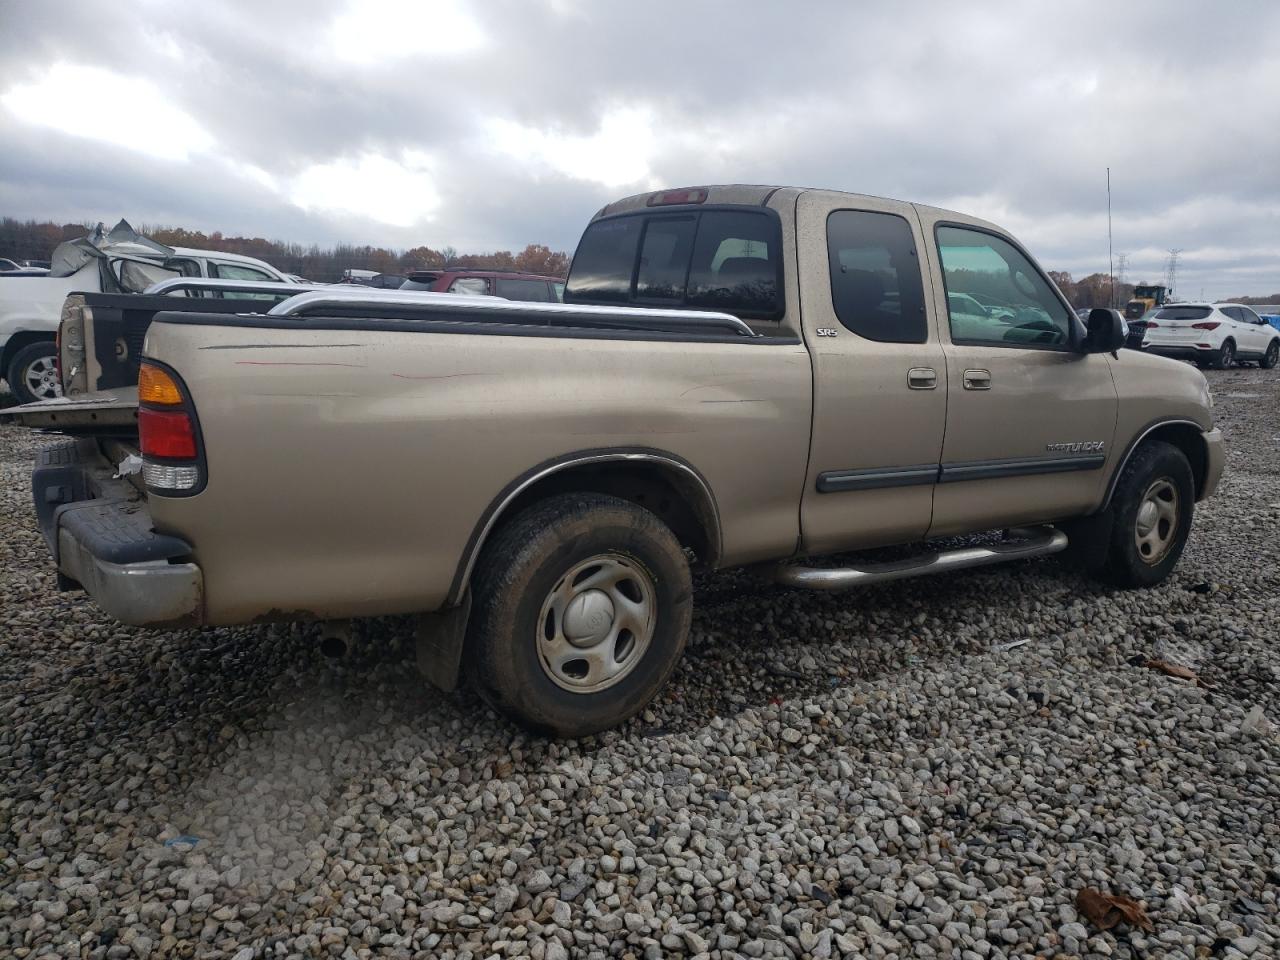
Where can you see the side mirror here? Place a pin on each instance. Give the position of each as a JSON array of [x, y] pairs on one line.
[[1106, 331]]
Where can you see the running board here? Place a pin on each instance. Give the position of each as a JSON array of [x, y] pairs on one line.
[[1031, 542]]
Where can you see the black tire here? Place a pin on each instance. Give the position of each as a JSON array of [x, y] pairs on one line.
[[1272, 355], [23, 377], [1152, 464], [1225, 356], [528, 561]]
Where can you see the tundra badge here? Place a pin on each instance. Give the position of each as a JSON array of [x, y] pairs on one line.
[[1085, 446]]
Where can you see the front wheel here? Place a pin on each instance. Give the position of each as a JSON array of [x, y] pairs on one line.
[[582, 609], [1271, 356], [1152, 508], [33, 373]]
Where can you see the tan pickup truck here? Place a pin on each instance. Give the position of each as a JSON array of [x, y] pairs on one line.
[[739, 376]]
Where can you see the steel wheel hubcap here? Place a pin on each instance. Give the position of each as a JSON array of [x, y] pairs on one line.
[[596, 623], [1157, 522], [41, 378]]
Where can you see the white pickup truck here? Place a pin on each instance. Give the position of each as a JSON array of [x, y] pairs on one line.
[[121, 261]]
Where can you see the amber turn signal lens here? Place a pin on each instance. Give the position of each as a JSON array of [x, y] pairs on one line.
[[156, 386]]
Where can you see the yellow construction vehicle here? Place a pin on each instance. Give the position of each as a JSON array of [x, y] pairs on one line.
[[1145, 297]]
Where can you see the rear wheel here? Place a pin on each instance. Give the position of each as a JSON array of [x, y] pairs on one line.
[[1272, 355], [1225, 356], [582, 609], [33, 372], [1152, 509]]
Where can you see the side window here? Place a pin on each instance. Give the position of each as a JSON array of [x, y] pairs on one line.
[[188, 268], [1019, 307], [476, 286], [1235, 313], [236, 271], [1248, 316], [557, 291], [735, 266], [529, 290], [875, 276], [664, 259]]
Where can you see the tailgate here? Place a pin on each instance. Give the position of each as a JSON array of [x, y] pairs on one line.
[[111, 413]]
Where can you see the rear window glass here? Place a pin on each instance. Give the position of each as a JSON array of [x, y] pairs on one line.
[[664, 259], [532, 290], [604, 261], [1183, 313], [724, 260], [735, 264]]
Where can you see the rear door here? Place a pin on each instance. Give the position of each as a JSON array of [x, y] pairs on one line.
[[880, 389], [1030, 418]]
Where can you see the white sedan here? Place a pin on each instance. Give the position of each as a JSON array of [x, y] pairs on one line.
[[1211, 334]]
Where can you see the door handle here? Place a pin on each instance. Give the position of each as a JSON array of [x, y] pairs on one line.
[[922, 378], [977, 379]]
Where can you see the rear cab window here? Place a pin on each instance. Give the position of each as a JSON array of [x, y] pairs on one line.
[[725, 259]]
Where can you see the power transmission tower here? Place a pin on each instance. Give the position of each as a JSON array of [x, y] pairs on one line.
[[1171, 272], [1122, 263]]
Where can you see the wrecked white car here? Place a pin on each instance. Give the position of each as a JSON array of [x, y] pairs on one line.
[[119, 261]]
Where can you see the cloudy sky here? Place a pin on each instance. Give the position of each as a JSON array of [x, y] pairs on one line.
[[494, 125]]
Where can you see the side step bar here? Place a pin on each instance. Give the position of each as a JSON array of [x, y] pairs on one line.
[[1030, 542]]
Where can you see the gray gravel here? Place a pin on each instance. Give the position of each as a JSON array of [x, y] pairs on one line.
[[859, 775]]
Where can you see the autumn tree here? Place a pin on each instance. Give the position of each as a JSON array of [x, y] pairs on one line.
[[539, 258]]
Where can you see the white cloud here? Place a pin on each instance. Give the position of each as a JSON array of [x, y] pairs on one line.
[[399, 192], [373, 32], [102, 105], [618, 154]]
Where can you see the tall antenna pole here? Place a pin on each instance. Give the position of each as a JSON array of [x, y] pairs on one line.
[[1110, 259], [1172, 275]]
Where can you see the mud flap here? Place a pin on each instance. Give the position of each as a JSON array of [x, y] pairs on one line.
[[1088, 540], [439, 640]]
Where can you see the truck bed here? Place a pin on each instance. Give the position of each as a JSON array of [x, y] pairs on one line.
[[374, 422]]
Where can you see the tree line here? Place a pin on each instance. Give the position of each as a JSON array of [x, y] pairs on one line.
[[35, 240]]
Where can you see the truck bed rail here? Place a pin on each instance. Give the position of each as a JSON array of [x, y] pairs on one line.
[[397, 304]]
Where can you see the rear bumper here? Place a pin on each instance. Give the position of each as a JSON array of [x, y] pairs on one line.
[[1215, 458], [99, 531], [1179, 351]]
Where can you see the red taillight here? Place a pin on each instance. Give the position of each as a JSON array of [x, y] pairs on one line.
[[1207, 325], [671, 197], [1151, 323], [166, 433]]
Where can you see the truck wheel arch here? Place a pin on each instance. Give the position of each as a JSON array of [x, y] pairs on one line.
[[1183, 434], [662, 482]]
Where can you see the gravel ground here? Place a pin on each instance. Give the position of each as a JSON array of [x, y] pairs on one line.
[[861, 775]]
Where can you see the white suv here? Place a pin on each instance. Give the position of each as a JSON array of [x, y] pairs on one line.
[[1211, 334]]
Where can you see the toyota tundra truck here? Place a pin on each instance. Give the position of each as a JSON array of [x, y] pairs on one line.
[[739, 376]]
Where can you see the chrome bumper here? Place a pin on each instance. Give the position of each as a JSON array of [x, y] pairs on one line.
[[145, 593], [99, 531]]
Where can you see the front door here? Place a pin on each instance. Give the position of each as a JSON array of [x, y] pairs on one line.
[[880, 386], [1030, 418]]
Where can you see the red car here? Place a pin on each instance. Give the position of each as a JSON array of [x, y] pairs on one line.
[[493, 283]]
